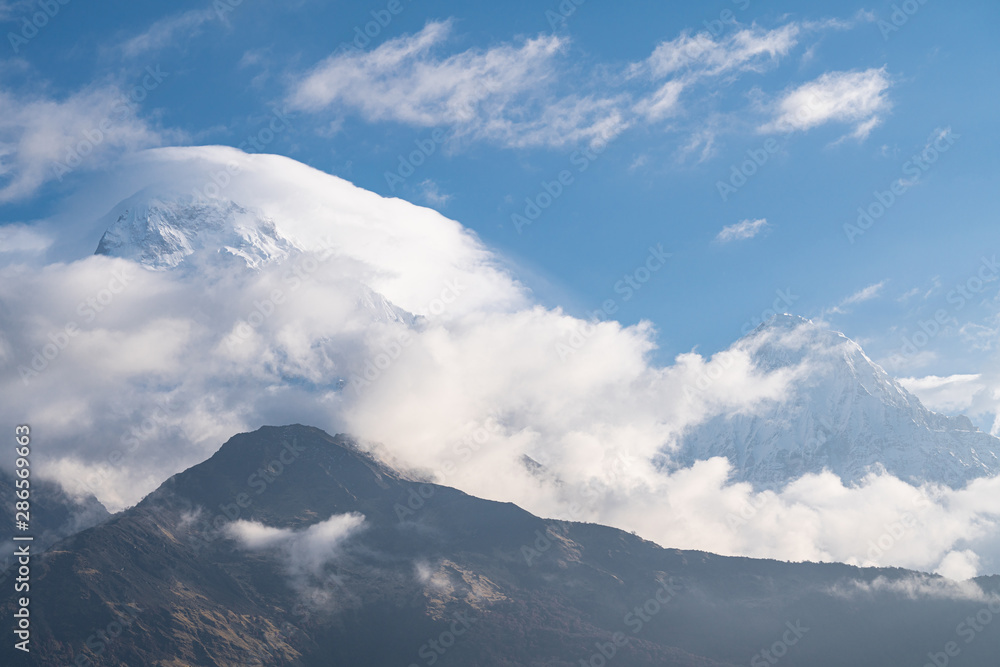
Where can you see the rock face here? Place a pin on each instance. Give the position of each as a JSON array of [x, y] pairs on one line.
[[291, 547], [845, 415]]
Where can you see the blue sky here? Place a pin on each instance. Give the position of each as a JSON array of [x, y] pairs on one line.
[[834, 102]]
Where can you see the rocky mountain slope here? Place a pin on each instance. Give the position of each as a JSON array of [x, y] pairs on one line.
[[291, 547]]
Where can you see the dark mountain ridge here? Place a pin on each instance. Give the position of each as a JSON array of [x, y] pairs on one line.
[[258, 556]]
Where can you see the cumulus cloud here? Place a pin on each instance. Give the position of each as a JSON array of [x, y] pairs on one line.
[[950, 394], [43, 138], [426, 344], [308, 556], [307, 551], [857, 98], [740, 231]]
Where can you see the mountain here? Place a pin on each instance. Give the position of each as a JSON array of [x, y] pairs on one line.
[[160, 230], [846, 415], [292, 547], [54, 515]]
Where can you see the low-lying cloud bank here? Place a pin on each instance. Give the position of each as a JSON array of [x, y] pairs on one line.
[[129, 375]]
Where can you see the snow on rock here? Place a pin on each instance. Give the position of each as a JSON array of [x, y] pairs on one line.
[[846, 415]]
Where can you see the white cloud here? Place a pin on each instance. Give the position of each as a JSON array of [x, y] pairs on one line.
[[842, 97], [750, 49], [42, 139], [23, 239], [432, 193], [472, 387], [690, 59], [306, 552], [916, 587], [662, 103], [864, 294], [501, 94], [950, 394], [745, 229], [526, 94], [165, 32], [959, 565]]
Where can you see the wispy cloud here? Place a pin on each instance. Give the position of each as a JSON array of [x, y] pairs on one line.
[[857, 98], [745, 229], [13, 8], [751, 48], [525, 94], [501, 94], [865, 294], [432, 193], [167, 31], [690, 58]]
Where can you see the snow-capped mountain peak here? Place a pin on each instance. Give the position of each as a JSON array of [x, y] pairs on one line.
[[845, 414], [162, 230]]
